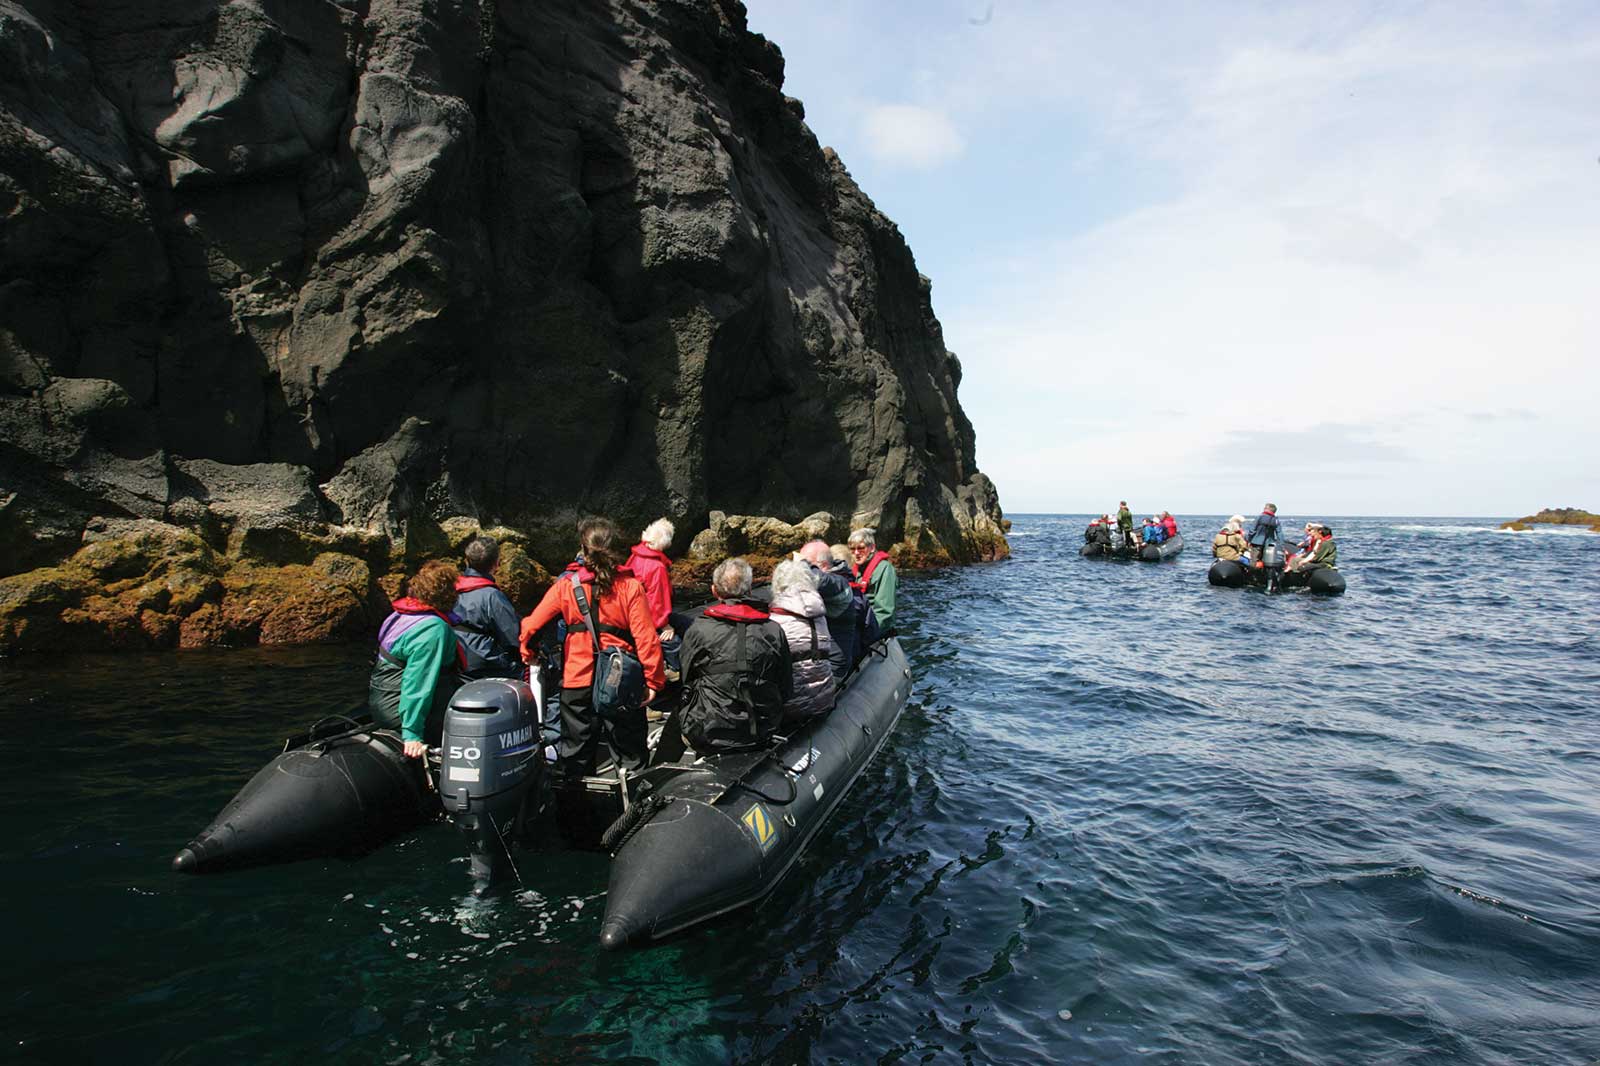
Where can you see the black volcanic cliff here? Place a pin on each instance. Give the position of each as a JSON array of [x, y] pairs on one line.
[[302, 281]]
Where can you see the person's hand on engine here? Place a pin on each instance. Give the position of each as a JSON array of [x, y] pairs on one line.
[[415, 749]]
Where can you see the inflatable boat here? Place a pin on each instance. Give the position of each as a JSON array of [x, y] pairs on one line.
[[1227, 573], [690, 840], [1167, 549], [1108, 545]]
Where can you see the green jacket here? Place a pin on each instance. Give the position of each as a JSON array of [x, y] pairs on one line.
[[1125, 520], [880, 593], [1326, 553], [406, 695]]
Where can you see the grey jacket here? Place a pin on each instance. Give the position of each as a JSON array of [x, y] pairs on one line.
[[812, 652]]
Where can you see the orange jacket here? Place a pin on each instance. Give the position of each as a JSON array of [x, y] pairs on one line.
[[624, 607]]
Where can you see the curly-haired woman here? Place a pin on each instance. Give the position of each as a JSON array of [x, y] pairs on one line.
[[419, 660]]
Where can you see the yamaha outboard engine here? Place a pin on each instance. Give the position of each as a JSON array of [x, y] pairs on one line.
[[1272, 561], [491, 763]]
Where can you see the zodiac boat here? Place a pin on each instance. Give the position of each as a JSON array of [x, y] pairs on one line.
[[690, 840], [1228, 573]]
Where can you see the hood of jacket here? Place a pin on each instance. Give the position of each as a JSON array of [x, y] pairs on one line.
[[806, 603]]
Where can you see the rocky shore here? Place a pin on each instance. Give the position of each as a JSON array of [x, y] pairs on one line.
[[1556, 516], [140, 584], [293, 297]]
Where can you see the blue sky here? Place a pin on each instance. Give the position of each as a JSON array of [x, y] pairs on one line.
[[1341, 256]]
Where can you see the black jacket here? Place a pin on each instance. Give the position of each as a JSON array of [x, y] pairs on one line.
[[728, 704]]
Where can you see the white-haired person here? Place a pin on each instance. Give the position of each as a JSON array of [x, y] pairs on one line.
[[798, 609], [875, 576], [649, 563], [845, 607], [1229, 543]]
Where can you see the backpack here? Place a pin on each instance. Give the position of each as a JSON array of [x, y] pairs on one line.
[[618, 685]]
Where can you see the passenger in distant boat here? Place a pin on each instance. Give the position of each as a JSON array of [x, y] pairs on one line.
[[1169, 525], [814, 657], [1229, 544], [616, 600], [486, 621], [736, 672], [875, 576], [1124, 523], [419, 661], [1324, 554], [845, 607], [1153, 533], [1265, 530]]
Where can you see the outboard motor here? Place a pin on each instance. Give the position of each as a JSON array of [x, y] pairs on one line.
[[491, 763], [1272, 561]]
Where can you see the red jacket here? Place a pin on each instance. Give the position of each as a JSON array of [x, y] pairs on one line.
[[1170, 524], [624, 607], [651, 568]]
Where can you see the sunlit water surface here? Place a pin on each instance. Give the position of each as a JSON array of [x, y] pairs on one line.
[[1127, 818]]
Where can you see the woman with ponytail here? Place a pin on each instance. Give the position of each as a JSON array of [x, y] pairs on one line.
[[616, 600]]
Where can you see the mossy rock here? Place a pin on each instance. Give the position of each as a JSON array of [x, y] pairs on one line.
[[1556, 516], [315, 604], [520, 577], [31, 605]]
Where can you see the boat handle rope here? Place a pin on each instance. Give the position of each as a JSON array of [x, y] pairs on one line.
[[772, 756]]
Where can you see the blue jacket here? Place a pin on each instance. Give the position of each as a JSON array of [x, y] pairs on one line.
[[844, 607], [1154, 534], [488, 631], [1265, 529]]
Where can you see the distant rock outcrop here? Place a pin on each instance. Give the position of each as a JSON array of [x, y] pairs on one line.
[[1556, 516], [291, 280]]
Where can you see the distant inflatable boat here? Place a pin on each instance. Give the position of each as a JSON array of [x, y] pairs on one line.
[[1167, 549], [1227, 573]]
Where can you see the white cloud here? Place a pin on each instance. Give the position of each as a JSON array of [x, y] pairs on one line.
[[910, 136], [1344, 215]]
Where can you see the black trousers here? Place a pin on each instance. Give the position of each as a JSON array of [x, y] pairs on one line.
[[583, 732]]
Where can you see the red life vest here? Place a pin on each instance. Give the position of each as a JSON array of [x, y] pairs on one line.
[[865, 578], [736, 612], [471, 584]]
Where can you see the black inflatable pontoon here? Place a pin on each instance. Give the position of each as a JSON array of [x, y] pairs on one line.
[[1324, 581], [332, 792], [1227, 573], [1167, 549], [1108, 545], [720, 833]]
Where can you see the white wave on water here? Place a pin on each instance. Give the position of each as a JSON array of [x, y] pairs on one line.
[[1544, 530]]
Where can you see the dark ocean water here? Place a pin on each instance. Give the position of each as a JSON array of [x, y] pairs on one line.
[[1128, 818]]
